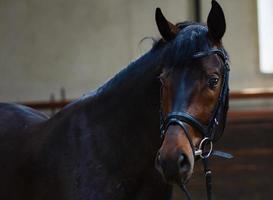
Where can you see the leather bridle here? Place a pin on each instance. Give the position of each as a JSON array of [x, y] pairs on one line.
[[208, 132]]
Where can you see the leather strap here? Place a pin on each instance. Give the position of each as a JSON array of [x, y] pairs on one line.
[[187, 118], [208, 176], [180, 123]]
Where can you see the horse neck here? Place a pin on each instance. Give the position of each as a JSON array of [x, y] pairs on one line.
[[126, 110]]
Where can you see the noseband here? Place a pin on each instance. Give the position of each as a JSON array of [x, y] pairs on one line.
[[208, 132]]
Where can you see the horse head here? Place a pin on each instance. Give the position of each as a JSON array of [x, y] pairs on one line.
[[194, 92]]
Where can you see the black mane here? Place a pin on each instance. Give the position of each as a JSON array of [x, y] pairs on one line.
[[192, 38]]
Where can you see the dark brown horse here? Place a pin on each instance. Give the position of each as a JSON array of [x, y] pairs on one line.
[[103, 146]]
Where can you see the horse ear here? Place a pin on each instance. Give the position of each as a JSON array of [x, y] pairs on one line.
[[167, 30], [216, 21]]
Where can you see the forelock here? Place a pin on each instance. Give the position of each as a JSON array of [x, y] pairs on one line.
[[191, 39]]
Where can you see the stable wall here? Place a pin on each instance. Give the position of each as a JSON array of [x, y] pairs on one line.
[[47, 45]]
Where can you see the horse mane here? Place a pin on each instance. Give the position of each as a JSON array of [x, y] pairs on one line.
[[134, 77], [192, 38]]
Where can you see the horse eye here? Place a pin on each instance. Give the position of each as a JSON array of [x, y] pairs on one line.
[[212, 83]]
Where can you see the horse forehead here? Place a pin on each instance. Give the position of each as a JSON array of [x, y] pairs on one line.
[[211, 62], [202, 66], [195, 72]]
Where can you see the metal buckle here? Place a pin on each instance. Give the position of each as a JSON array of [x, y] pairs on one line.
[[200, 151]]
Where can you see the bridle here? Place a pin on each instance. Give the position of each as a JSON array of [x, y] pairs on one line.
[[208, 132]]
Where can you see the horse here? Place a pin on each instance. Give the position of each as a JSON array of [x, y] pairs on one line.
[[107, 144]]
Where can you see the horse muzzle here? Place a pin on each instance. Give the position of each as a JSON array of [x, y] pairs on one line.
[[175, 159], [174, 170]]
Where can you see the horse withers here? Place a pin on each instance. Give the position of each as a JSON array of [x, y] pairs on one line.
[[104, 145]]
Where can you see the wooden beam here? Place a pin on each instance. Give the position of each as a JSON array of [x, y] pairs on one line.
[[251, 94], [233, 115], [197, 10]]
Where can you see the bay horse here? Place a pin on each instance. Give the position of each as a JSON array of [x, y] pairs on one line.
[[106, 144]]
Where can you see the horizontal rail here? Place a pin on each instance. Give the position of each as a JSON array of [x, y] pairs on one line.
[[264, 113], [233, 114], [254, 93], [44, 105], [235, 95]]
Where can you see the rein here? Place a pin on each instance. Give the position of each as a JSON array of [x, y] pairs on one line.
[[208, 132]]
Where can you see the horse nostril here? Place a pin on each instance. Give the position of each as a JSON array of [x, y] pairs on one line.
[[181, 160], [183, 163]]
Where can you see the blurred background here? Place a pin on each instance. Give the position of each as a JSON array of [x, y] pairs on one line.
[[56, 50]]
